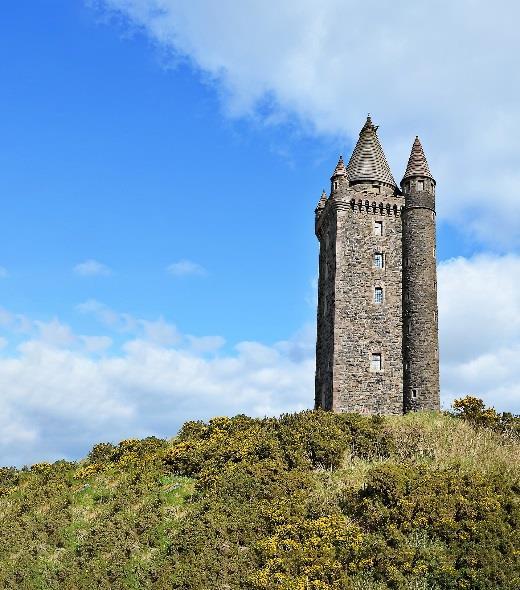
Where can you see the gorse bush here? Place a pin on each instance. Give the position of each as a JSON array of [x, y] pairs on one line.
[[473, 410], [308, 501]]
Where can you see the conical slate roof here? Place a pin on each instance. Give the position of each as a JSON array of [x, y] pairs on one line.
[[368, 161], [417, 164], [322, 201], [340, 168]]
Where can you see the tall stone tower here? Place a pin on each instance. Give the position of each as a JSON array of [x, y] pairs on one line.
[[377, 350]]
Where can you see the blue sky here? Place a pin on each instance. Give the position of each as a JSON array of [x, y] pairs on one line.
[[160, 163], [107, 155]]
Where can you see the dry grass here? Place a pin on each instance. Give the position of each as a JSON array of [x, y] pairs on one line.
[[444, 440], [429, 438]]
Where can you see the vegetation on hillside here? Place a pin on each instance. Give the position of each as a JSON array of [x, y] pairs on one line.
[[308, 501]]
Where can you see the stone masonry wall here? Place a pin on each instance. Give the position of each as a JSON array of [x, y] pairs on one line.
[[352, 326], [364, 327], [326, 232], [421, 348]]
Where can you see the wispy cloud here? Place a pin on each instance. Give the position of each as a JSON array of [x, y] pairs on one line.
[[117, 321], [91, 268], [3, 273], [184, 268], [95, 344]]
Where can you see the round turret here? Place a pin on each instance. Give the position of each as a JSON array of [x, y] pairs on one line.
[[420, 335]]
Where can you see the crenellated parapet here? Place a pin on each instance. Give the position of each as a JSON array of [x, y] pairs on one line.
[[382, 208], [376, 208]]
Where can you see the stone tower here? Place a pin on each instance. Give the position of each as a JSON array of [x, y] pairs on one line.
[[377, 349]]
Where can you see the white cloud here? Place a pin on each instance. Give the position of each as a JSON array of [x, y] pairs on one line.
[[444, 70], [3, 273], [160, 332], [184, 268], [15, 322], [92, 268], [121, 322], [479, 315], [67, 401], [97, 343], [55, 333], [201, 344]]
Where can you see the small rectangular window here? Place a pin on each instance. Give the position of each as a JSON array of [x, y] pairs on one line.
[[414, 393], [378, 295], [420, 185], [378, 228], [375, 362], [378, 260]]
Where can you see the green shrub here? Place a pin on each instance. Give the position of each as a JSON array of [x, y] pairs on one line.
[[312, 500]]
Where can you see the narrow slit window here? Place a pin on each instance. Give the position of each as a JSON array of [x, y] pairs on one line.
[[335, 185], [378, 260], [414, 393], [378, 295], [375, 362], [378, 228]]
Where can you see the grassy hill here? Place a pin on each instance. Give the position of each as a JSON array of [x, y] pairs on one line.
[[307, 501]]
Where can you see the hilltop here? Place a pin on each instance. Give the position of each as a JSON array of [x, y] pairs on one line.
[[312, 500]]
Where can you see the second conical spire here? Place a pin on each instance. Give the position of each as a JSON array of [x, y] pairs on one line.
[[417, 164]]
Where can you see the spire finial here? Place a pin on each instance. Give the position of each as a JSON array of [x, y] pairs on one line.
[[368, 126]]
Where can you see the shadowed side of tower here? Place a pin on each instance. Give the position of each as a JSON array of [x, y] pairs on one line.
[[359, 365], [420, 331]]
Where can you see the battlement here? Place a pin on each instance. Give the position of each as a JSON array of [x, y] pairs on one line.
[[359, 205], [365, 206]]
